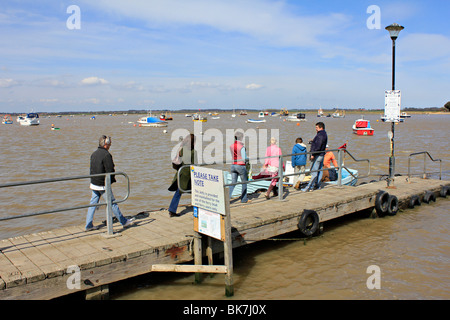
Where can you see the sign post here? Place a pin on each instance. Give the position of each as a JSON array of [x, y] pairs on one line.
[[392, 102], [211, 202]]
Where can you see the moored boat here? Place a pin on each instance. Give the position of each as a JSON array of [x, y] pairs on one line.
[[31, 119], [296, 117], [256, 120], [362, 127], [7, 119], [199, 118], [150, 121]]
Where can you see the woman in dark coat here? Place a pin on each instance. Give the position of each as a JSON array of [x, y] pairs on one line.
[[188, 156]]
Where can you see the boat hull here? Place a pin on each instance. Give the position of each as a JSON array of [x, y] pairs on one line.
[[363, 132]]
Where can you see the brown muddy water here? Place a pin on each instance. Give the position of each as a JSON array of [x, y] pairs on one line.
[[411, 249]]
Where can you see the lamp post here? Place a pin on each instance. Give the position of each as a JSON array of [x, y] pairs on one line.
[[394, 29]]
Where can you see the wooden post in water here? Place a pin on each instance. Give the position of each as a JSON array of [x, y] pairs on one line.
[[197, 255], [228, 248]]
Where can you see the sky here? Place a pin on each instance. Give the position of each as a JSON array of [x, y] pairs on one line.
[[107, 55]]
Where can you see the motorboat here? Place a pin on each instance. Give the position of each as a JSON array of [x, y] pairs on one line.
[[296, 117], [404, 115], [385, 119], [165, 117], [7, 119], [261, 115], [199, 118], [339, 114], [320, 113], [243, 113], [31, 119], [362, 127], [256, 120], [150, 121]]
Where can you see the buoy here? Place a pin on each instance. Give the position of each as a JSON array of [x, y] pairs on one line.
[[164, 131], [298, 124]]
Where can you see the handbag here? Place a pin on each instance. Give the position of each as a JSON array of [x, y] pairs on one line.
[[177, 162]]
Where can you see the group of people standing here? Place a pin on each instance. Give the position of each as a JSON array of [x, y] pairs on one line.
[[269, 169], [102, 162]]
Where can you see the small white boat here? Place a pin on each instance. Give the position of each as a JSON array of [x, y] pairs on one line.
[[215, 118], [199, 118], [404, 115], [256, 120], [31, 119], [296, 117], [339, 114], [150, 121], [261, 115]]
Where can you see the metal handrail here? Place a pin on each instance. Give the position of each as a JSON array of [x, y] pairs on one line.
[[280, 175], [425, 153], [108, 198]]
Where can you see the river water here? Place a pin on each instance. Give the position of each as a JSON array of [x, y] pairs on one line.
[[411, 249]]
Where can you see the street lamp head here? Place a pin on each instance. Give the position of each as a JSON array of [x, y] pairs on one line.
[[394, 29]]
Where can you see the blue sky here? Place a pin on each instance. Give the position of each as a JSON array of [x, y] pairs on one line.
[[253, 54]]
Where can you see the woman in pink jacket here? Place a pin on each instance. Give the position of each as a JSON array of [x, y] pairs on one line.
[[271, 165]]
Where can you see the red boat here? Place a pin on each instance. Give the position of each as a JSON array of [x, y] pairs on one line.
[[362, 128]]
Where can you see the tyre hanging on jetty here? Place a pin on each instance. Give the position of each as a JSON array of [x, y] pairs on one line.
[[429, 196], [445, 190], [414, 201], [382, 203], [392, 208], [309, 222]]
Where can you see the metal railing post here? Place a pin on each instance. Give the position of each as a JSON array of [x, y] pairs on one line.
[[109, 211], [280, 181], [340, 164]]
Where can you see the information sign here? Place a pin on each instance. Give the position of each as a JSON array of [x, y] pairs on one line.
[[207, 189], [392, 102]]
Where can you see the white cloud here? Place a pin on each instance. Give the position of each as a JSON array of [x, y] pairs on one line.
[[268, 21], [7, 83], [93, 81], [253, 86]]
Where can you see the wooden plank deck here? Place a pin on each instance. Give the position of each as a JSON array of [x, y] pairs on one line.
[[35, 266]]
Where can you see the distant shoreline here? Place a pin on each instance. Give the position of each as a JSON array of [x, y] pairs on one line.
[[250, 111]]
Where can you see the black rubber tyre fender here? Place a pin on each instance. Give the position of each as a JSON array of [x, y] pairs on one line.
[[382, 203], [392, 205], [445, 190], [429, 196], [415, 200], [309, 222]]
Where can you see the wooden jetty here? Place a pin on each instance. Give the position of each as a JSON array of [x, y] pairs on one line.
[[41, 265]]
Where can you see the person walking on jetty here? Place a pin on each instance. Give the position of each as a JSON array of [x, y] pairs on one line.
[[185, 155], [102, 162], [238, 167], [271, 165], [318, 146], [298, 162]]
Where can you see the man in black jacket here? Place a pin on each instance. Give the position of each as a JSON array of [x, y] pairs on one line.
[[102, 162], [318, 146]]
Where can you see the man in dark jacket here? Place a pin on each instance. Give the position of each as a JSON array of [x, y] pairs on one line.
[[102, 162], [318, 146]]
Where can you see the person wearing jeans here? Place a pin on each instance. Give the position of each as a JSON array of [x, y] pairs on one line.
[[102, 162], [318, 146], [238, 167]]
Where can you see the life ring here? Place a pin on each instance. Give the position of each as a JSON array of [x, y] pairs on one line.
[[382, 203], [415, 200], [429, 196], [308, 223], [392, 205], [445, 190]]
